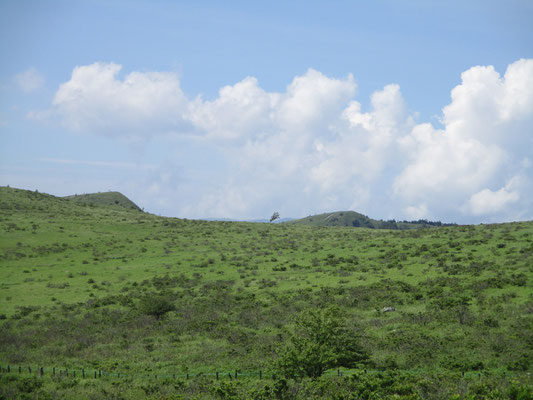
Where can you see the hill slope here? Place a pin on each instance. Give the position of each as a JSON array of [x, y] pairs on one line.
[[355, 219], [105, 198], [112, 289]]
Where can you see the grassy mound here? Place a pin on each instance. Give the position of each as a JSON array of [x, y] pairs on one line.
[[357, 220], [105, 199]]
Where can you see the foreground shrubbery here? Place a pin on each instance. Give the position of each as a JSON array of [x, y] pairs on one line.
[[359, 385]]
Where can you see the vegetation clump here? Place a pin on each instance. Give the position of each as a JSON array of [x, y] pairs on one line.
[[320, 340]]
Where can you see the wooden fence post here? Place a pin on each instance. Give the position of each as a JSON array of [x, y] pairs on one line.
[[94, 374]]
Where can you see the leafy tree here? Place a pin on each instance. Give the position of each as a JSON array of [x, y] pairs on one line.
[[320, 340], [274, 216]]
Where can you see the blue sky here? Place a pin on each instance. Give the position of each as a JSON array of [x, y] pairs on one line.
[[406, 110]]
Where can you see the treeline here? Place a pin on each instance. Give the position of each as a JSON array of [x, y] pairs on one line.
[[393, 224]]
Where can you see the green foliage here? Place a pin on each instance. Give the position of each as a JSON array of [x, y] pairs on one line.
[[319, 341], [156, 305]]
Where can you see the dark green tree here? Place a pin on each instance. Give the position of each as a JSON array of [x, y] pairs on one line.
[[274, 216], [156, 305], [320, 340]]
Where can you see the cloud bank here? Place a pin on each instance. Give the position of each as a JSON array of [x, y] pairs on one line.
[[315, 148]]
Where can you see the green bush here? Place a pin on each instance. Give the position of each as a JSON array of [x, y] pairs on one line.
[[319, 341], [156, 305]]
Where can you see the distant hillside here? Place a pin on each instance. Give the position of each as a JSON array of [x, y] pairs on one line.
[[355, 219], [105, 199]]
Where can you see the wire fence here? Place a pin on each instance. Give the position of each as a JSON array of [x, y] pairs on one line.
[[217, 375], [98, 374]]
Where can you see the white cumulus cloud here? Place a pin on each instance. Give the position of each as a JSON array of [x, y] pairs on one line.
[[314, 147], [141, 104], [488, 201]]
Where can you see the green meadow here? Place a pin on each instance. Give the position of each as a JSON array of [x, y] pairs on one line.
[[438, 313]]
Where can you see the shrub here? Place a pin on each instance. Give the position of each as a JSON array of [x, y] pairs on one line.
[[156, 305], [319, 341]]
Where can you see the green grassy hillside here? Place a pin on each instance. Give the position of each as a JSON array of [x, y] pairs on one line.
[[357, 220], [103, 199], [113, 289]]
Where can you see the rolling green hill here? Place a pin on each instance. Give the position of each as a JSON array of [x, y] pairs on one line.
[[438, 313], [103, 199], [355, 219]]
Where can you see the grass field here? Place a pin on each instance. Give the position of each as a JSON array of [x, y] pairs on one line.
[[79, 282]]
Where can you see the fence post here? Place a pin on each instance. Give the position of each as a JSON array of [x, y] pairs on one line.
[[8, 369], [94, 374], [42, 371], [260, 374], [187, 376], [83, 372], [217, 375]]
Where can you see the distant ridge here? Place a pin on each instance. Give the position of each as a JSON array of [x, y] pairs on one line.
[[357, 220], [104, 199]]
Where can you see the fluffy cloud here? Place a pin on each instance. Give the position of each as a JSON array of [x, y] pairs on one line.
[[29, 80], [242, 110], [487, 133], [314, 148], [94, 100], [488, 201]]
